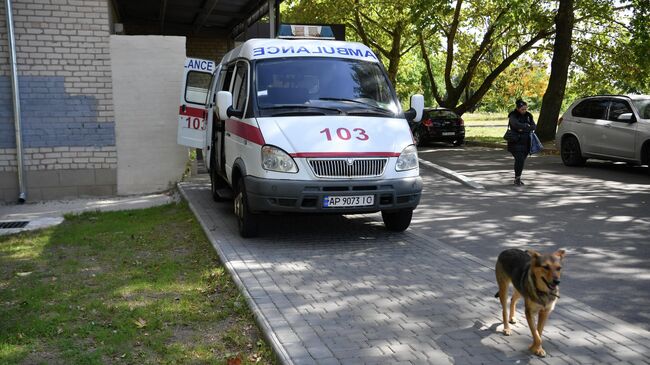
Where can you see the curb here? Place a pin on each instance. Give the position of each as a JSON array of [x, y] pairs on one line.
[[452, 175], [278, 350]]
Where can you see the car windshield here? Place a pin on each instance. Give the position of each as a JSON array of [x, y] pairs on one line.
[[643, 106], [342, 84]]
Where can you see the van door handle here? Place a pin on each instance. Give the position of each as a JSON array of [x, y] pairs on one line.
[[227, 134]]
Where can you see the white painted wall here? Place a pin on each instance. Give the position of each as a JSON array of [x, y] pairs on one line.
[[147, 78]]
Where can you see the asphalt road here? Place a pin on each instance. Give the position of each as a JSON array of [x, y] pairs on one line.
[[599, 213]]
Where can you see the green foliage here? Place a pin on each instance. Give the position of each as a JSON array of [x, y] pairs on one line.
[[611, 44], [603, 58], [640, 42], [526, 79]]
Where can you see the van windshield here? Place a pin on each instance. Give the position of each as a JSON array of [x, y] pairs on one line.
[[343, 85]]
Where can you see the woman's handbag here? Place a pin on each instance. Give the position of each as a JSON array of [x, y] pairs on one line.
[[510, 135], [535, 144]]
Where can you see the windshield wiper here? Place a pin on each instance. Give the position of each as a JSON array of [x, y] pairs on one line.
[[374, 107], [374, 111], [301, 112]]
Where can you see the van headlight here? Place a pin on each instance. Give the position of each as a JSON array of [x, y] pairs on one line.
[[275, 159], [408, 159]]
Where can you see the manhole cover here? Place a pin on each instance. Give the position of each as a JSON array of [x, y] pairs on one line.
[[15, 224]]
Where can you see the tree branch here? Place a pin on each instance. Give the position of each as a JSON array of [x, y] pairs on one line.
[[408, 49], [593, 15], [376, 23], [450, 46], [485, 86], [425, 56], [478, 54], [358, 27]]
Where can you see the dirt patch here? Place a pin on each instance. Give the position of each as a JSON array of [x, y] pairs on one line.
[[43, 357], [200, 335]]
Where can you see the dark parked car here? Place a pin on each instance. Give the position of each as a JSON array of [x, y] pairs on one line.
[[439, 125]]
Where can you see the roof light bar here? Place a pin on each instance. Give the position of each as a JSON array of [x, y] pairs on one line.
[[296, 31]]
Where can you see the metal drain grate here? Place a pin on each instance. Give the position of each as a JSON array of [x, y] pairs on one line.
[[15, 224]]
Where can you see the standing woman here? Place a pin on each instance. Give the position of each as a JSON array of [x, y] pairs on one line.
[[521, 122]]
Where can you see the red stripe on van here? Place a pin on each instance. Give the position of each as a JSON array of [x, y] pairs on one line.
[[343, 154], [192, 112], [245, 131]]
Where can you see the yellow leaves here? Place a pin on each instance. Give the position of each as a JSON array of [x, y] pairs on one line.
[[140, 323]]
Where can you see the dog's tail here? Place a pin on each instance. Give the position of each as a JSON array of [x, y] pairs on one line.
[[496, 295]]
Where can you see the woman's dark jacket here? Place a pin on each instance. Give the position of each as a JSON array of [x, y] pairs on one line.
[[522, 124]]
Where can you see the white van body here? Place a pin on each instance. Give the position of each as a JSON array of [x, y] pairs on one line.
[[302, 126]]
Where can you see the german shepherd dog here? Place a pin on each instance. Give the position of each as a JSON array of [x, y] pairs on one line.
[[536, 278]]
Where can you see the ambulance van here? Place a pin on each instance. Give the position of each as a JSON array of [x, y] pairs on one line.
[[302, 126]]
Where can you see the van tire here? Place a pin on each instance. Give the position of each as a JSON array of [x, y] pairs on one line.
[[571, 153], [247, 222], [216, 181], [397, 221]]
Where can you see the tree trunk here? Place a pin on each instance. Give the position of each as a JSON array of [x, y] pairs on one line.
[[554, 95]]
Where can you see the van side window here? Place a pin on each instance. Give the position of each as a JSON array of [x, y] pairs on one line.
[[240, 87], [226, 75], [592, 109], [197, 87], [617, 108]]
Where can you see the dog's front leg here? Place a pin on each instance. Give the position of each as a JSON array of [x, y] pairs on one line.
[[513, 306], [536, 347], [541, 321]]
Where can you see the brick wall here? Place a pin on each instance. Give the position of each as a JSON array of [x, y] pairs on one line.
[[67, 114], [207, 48]]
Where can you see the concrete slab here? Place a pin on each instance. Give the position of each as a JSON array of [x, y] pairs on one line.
[[46, 214]]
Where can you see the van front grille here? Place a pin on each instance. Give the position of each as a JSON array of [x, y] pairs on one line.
[[348, 168]]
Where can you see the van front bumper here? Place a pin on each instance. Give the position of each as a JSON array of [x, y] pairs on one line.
[[301, 196]]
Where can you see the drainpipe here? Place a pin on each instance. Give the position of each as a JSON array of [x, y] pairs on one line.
[[16, 94], [272, 20]]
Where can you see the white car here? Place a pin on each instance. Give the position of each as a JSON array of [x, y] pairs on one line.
[[606, 127]]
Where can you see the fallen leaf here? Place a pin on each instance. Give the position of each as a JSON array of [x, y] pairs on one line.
[[141, 323], [234, 361]]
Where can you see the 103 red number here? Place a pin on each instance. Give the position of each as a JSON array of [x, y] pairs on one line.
[[195, 123], [345, 134]]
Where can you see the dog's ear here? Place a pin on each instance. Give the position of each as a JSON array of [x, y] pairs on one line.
[[560, 253], [534, 254]]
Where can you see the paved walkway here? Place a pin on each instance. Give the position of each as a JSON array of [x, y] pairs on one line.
[[342, 290]]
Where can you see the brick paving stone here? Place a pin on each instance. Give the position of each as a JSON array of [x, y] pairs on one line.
[[332, 289]]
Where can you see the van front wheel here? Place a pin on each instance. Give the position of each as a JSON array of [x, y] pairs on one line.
[[246, 221], [397, 221]]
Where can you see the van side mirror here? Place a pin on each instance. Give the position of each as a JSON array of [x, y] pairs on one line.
[[231, 112], [224, 103], [627, 117], [417, 108]]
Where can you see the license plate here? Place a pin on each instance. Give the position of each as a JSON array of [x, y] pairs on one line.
[[348, 201], [448, 133]]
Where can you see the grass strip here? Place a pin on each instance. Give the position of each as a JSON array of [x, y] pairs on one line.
[[130, 287]]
